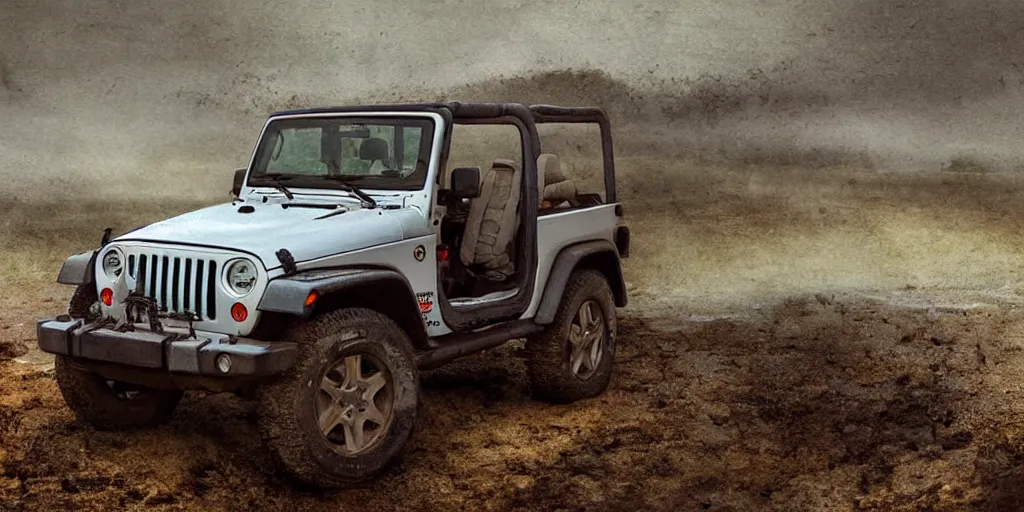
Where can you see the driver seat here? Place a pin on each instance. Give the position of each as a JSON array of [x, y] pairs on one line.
[[375, 150], [492, 222]]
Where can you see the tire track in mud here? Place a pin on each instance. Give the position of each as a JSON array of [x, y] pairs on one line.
[[842, 403]]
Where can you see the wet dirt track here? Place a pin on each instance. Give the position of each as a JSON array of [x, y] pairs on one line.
[[838, 403]]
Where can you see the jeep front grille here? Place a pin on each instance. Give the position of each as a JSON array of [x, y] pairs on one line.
[[178, 284]]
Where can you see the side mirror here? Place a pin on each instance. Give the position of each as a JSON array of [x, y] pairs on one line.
[[236, 186], [465, 183]]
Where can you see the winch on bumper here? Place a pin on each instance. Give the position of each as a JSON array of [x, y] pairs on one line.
[[176, 353]]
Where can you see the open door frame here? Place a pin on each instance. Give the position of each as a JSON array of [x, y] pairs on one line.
[[478, 314]]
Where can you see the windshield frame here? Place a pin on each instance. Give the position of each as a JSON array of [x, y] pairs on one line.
[[429, 123]]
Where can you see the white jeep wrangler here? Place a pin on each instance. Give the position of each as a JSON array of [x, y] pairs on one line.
[[347, 261]]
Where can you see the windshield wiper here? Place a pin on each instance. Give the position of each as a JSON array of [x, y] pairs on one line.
[[347, 182], [275, 181]]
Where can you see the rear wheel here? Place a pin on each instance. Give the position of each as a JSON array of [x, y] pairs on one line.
[[347, 408], [112, 405], [572, 358]]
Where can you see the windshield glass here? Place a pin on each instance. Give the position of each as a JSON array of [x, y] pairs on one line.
[[375, 153]]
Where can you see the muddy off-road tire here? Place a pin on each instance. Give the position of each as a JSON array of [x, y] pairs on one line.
[[109, 405], [572, 358], [80, 305], [347, 408]]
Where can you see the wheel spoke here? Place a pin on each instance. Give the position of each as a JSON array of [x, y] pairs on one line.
[[596, 348], [331, 388], [577, 361], [586, 338], [350, 438], [353, 370], [373, 385], [584, 352], [585, 316], [374, 414], [358, 435], [575, 334], [331, 417], [595, 316]]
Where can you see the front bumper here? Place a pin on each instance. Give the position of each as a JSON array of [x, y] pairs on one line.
[[167, 352]]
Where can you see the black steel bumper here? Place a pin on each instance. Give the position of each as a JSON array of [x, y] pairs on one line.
[[153, 351]]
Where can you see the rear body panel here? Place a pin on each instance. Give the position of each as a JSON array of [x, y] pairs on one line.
[[556, 231]]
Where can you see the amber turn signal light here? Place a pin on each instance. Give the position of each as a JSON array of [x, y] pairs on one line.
[[311, 298]]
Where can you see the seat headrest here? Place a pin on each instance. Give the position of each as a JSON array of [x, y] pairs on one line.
[[373, 149], [549, 167]]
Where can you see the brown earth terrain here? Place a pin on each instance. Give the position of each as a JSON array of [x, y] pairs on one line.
[[839, 404], [831, 340]]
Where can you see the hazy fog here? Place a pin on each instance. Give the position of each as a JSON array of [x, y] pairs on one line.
[[126, 96]]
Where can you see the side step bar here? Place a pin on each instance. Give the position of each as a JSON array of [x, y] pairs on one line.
[[454, 346]]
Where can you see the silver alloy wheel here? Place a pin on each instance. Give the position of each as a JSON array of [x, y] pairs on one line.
[[123, 391], [586, 340], [354, 403]]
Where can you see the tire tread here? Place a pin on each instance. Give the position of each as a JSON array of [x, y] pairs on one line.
[[550, 376], [279, 403]]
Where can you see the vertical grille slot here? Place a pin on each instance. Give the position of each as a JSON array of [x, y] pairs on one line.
[[187, 283], [211, 291], [176, 292], [164, 284], [198, 292], [151, 283], [140, 283]]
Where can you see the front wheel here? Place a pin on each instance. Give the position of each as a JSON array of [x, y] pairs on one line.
[[112, 405], [572, 358], [84, 303], [347, 408]]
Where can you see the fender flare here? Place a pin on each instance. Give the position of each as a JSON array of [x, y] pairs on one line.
[[384, 290], [79, 269], [600, 255]]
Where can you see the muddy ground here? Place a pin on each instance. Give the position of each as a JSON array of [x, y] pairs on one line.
[[844, 403], [840, 340]]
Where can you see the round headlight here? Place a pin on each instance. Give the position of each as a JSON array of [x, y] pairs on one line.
[[240, 277], [113, 264]]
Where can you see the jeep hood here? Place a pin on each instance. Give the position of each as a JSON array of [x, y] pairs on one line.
[[269, 228]]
